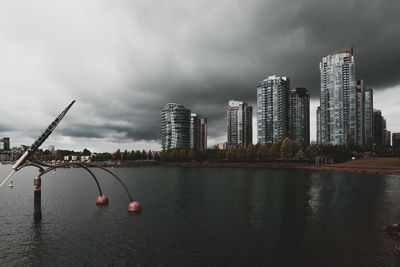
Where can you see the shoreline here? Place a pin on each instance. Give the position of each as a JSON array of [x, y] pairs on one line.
[[266, 165]]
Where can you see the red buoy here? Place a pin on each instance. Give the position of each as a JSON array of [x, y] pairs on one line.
[[102, 200], [134, 206]]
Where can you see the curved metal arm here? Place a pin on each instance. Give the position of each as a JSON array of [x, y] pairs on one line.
[[90, 165], [35, 162]]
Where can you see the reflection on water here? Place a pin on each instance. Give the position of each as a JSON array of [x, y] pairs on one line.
[[315, 193], [198, 217]]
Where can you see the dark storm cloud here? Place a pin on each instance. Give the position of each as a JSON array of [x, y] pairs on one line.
[[203, 64], [124, 60]]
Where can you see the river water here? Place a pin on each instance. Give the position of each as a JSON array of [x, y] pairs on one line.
[[201, 217]]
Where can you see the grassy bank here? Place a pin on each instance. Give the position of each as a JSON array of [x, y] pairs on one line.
[[372, 162]]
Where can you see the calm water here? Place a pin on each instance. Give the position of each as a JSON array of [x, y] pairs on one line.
[[199, 217]]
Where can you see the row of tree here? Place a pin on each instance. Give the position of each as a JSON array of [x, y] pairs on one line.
[[283, 150]]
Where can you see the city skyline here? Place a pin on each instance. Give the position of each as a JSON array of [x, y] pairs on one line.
[[122, 61]]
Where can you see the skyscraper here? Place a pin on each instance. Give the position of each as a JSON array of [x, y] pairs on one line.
[[198, 132], [319, 140], [360, 112], [175, 126], [369, 115], [240, 123], [300, 115], [396, 140], [379, 128], [338, 97], [273, 104], [387, 138]]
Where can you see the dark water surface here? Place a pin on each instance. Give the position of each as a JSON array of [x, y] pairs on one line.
[[201, 217]]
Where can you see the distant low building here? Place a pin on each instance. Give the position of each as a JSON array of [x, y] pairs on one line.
[[221, 146], [5, 144]]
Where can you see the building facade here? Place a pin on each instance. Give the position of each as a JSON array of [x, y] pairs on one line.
[[379, 128], [198, 132], [300, 115], [273, 109], [319, 140], [360, 112], [388, 139], [5, 144], [338, 97], [369, 115], [396, 140], [239, 123], [175, 126]]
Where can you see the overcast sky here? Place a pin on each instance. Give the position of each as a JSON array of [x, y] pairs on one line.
[[123, 60]]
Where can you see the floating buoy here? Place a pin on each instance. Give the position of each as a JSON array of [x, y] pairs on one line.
[[134, 207], [11, 184], [102, 200]]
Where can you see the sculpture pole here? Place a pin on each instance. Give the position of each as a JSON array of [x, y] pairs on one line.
[[37, 201], [28, 159]]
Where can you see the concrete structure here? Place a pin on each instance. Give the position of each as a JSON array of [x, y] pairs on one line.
[[221, 146], [198, 132], [338, 97], [387, 138], [396, 139], [239, 123], [360, 112], [273, 108], [379, 128], [368, 115], [319, 140], [300, 115], [5, 144], [175, 126]]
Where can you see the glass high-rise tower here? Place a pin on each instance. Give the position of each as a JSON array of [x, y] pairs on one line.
[[239, 123], [300, 115], [175, 126], [369, 115], [273, 108], [338, 117], [198, 132]]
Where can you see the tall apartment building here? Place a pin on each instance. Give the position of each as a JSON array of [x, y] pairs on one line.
[[338, 97], [273, 109], [387, 138], [240, 123], [319, 130], [364, 111], [198, 132], [175, 126], [300, 115], [379, 128], [396, 139], [360, 112], [369, 115]]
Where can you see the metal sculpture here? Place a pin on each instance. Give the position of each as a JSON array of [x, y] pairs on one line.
[[28, 159]]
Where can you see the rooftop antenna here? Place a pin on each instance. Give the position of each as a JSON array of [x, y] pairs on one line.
[[28, 159]]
